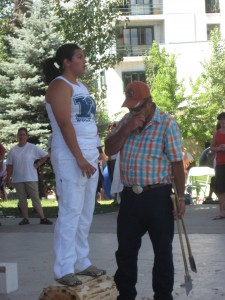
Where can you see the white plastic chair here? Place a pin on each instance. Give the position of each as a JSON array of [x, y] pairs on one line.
[[198, 182]]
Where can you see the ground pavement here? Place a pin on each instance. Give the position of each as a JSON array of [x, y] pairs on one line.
[[30, 247]]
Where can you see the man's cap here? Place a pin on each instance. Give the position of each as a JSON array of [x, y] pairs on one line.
[[136, 92], [221, 116]]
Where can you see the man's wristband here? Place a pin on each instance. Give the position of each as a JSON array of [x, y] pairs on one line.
[[181, 198]]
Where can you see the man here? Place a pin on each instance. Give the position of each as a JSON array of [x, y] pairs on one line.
[[150, 148]]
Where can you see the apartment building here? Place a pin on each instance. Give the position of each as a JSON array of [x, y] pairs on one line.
[[182, 27]]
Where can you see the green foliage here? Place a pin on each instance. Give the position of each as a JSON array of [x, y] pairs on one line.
[[208, 93], [94, 26], [161, 75], [36, 37], [6, 8], [50, 207], [22, 86]]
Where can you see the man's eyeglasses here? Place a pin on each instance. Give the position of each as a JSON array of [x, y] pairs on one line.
[[139, 108]]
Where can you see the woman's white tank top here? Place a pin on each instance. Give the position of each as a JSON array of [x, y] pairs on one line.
[[83, 110]]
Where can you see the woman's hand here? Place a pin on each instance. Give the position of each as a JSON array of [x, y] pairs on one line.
[[86, 168]]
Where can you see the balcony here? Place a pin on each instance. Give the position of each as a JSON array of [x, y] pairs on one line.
[[138, 50], [142, 9]]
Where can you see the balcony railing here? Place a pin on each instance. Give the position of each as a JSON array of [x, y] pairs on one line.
[[133, 50], [142, 9]]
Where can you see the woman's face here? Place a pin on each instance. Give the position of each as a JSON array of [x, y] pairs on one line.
[[22, 137], [77, 63], [222, 122]]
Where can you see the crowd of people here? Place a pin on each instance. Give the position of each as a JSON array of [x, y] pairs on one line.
[[144, 150]]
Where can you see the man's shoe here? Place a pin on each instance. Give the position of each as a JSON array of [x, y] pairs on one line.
[[45, 221]]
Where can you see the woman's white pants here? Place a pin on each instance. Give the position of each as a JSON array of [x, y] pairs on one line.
[[76, 196]]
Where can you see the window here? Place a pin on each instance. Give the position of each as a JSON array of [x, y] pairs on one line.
[[210, 28], [136, 40], [212, 6], [128, 77]]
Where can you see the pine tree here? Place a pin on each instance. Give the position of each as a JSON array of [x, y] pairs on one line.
[[22, 87], [37, 33]]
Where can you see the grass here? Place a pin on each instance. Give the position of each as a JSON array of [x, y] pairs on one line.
[[50, 207]]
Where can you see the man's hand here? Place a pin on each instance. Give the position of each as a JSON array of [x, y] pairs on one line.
[[137, 121], [181, 209], [178, 207]]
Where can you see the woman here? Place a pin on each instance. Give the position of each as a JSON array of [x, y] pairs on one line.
[[21, 166], [218, 146], [74, 156]]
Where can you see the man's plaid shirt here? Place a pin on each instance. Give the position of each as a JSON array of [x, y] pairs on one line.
[[146, 156]]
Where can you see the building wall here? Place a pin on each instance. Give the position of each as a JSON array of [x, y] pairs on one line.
[[182, 30]]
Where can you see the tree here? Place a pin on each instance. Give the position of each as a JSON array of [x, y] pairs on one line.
[[21, 82], [208, 93], [94, 25], [6, 8], [36, 37], [161, 75], [11, 13]]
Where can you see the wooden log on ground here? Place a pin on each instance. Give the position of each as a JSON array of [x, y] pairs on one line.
[[99, 288]]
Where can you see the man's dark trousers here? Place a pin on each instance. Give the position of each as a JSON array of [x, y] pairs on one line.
[[150, 211]]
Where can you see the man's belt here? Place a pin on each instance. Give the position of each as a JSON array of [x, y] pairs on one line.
[[137, 189]]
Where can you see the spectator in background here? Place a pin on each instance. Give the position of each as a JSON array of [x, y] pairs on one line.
[[22, 168], [49, 153], [112, 158], [2, 172], [101, 161], [207, 156], [2, 156], [186, 163], [218, 146], [207, 159], [40, 170]]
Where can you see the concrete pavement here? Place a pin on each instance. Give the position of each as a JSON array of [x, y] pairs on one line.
[[31, 248]]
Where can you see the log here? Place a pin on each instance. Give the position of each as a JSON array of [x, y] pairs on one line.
[[99, 288]]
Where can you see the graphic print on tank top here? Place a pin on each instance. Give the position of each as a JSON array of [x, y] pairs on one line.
[[85, 108]]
